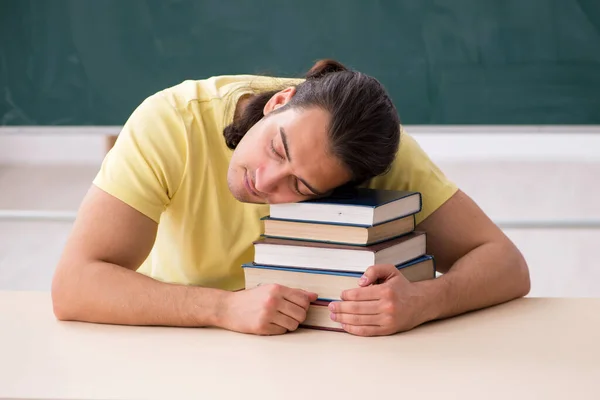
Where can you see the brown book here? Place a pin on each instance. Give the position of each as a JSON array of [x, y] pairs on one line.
[[338, 257], [318, 317], [338, 233], [328, 284]]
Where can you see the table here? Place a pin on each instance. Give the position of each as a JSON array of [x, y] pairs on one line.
[[529, 348]]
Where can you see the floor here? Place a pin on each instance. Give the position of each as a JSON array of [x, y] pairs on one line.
[[542, 207]]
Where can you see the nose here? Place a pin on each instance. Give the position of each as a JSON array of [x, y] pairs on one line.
[[268, 178]]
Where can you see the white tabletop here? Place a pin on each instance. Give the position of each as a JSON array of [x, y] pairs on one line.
[[525, 349]]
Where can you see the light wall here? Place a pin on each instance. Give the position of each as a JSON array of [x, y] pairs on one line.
[[541, 185]]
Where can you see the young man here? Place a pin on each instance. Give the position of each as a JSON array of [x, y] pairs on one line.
[[162, 233]]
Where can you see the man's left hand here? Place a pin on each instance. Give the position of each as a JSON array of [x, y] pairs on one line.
[[384, 304]]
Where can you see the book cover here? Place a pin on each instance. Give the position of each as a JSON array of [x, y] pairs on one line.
[[361, 206], [337, 223], [374, 248], [363, 197], [352, 274], [337, 233], [360, 246], [328, 284]]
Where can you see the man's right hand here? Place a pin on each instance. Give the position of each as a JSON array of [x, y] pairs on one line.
[[266, 310]]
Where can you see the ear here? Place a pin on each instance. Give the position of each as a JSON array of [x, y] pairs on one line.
[[279, 99]]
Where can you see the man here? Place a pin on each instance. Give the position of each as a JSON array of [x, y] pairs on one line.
[[162, 233]]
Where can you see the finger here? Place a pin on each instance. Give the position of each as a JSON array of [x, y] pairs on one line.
[[357, 319], [355, 307], [299, 297], [292, 310], [362, 293], [377, 272], [274, 329], [312, 296], [285, 321], [363, 330]]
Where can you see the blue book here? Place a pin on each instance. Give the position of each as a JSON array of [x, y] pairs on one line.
[[358, 206], [328, 284]]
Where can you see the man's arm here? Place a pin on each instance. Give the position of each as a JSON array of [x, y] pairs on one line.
[[481, 267], [95, 280]]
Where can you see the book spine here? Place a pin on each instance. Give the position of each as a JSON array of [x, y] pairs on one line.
[[322, 328]]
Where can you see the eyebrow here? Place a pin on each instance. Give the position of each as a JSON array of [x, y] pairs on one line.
[[287, 154]]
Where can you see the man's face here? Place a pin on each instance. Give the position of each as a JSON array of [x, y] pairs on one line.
[[284, 158]]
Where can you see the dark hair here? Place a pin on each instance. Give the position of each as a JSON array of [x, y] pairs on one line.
[[364, 130]]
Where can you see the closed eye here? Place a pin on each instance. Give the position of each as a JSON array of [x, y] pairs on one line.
[[296, 180], [297, 190], [275, 152]]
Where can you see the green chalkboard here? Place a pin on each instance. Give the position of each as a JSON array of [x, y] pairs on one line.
[[90, 62]]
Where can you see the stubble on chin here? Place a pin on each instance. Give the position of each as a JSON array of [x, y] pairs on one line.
[[237, 189]]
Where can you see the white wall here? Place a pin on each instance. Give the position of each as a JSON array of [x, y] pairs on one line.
[[540, 184], [442, 143]]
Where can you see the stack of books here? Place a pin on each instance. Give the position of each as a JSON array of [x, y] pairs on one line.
[[325, 245]]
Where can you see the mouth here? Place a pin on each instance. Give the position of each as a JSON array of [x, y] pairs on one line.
[[249, 185]]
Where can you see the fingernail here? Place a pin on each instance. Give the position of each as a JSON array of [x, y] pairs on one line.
[[362, 280], [332, 316], [331, 306]]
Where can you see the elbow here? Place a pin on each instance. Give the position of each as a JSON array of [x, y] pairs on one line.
[[62, 306], [521, 275], [60, 313], [516, 280]]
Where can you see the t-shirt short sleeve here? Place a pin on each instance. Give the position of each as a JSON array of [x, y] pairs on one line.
[[414, 170], [145, 167]]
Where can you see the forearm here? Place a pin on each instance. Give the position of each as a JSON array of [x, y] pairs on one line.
[[107, 293], [488, 275]]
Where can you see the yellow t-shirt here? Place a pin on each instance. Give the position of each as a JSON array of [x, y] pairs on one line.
[[170, 163]]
